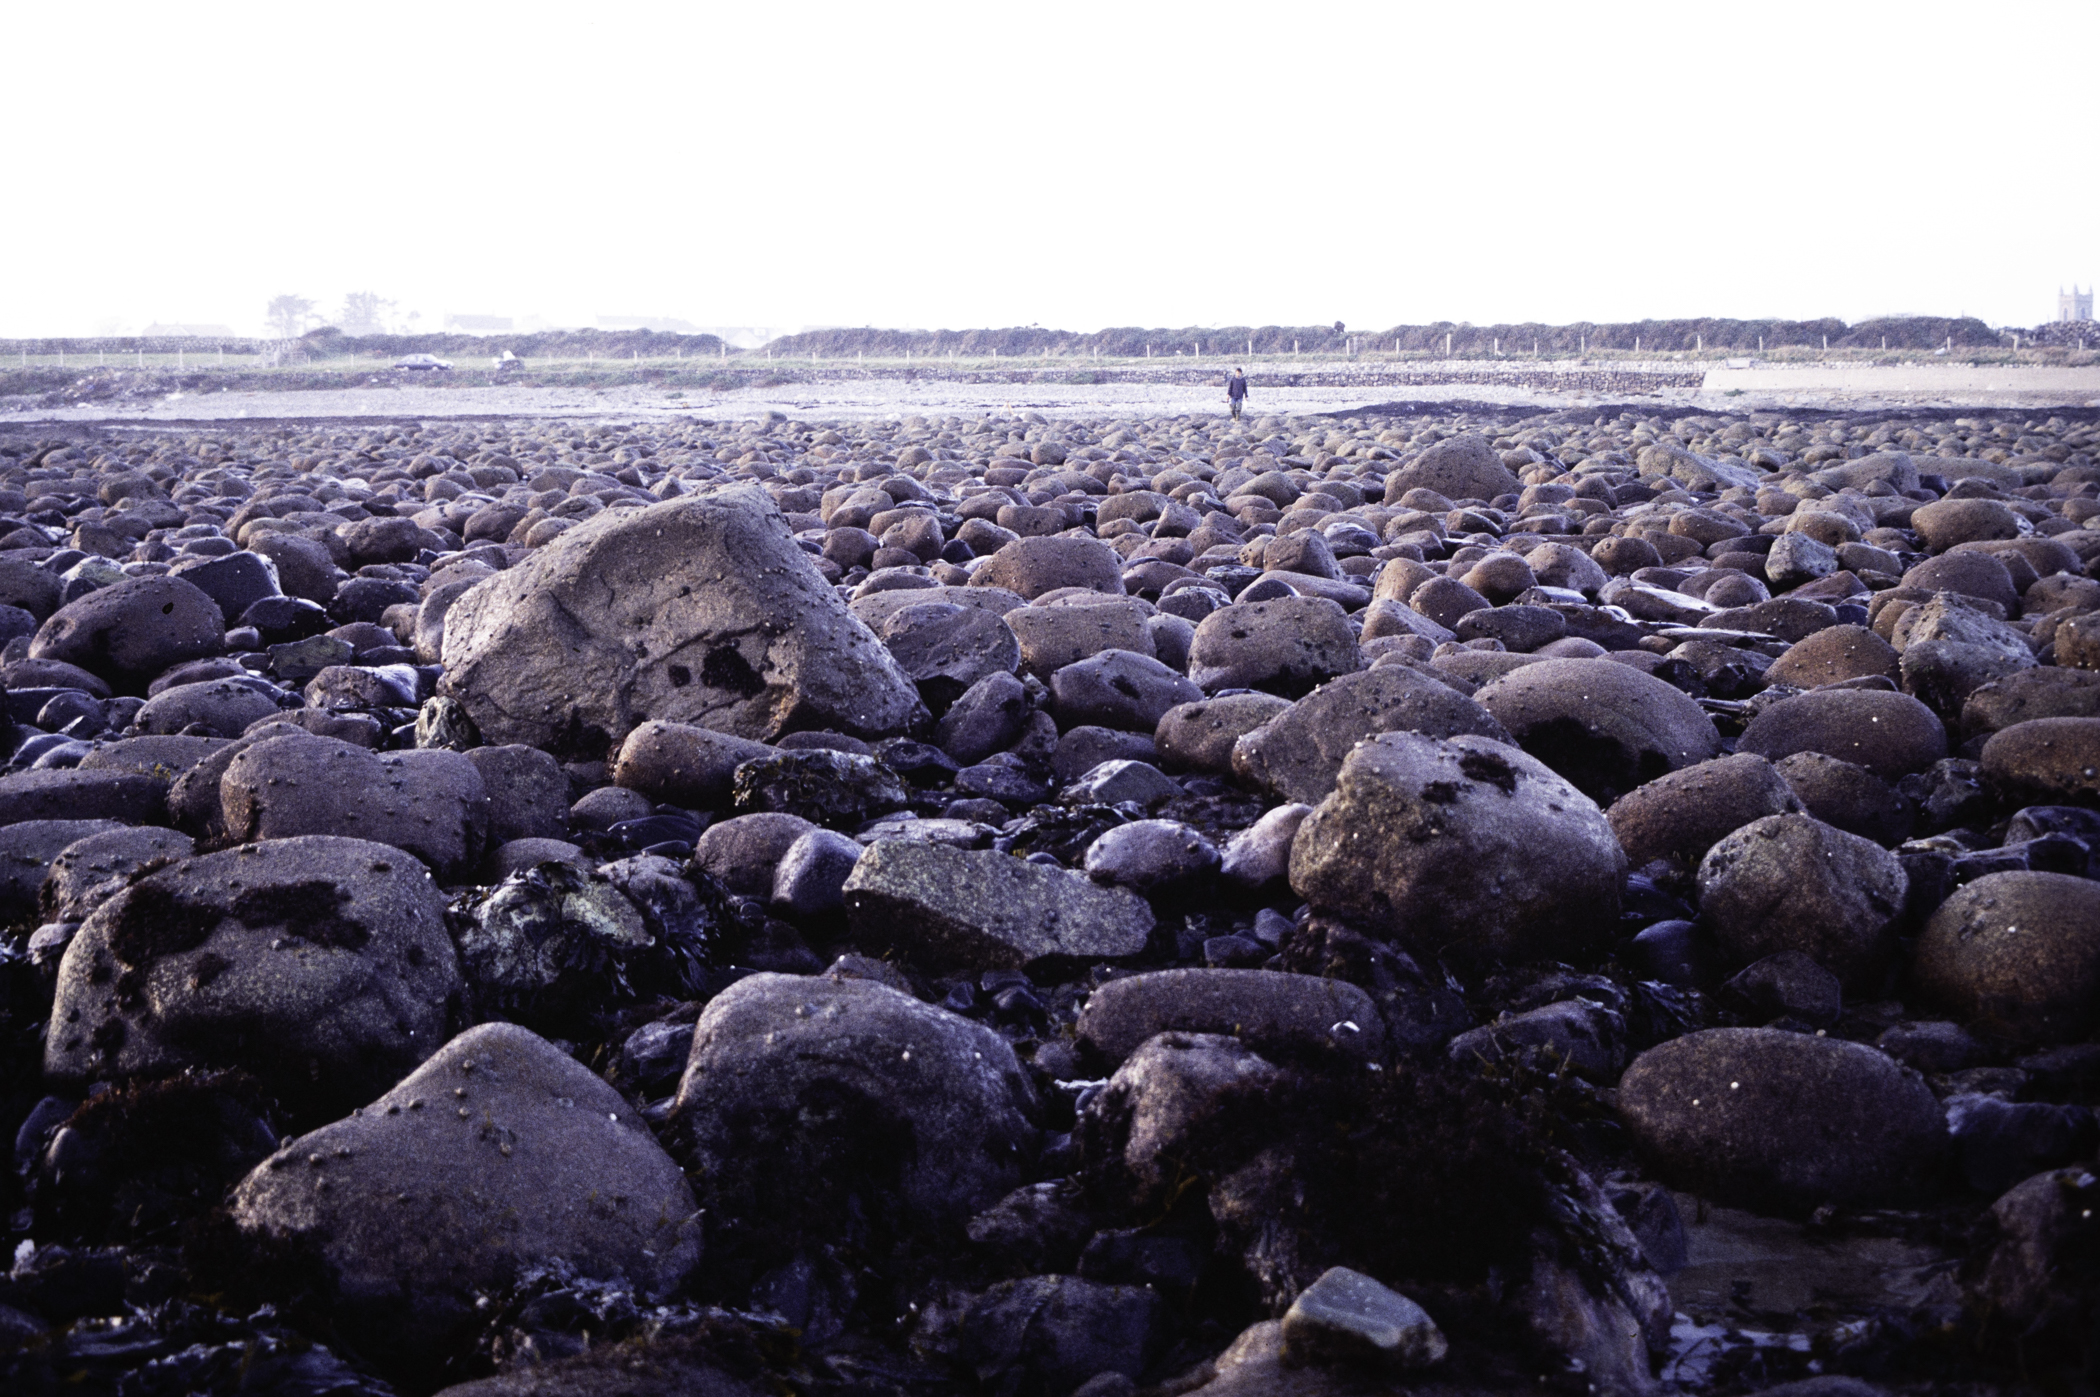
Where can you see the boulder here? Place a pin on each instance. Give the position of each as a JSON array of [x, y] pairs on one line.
[[680, 764], [92, 869], [2045, 761], [1461, 846], [1200, 736], [1793, 883], [949, 907], [132, 797], [1268, 1010], [1030, 567], [429, 802], [27, 848], [699, 610], [499, 1154], [1287, 646], [226, 707], [1296, 756], [816, 1085], [320, 965], [1464, 467], [1682, 815], [1849, 797], [1889, 734], [1605, 726], [1118, 689], [1777, 1121], [1831, 655], [131, 631], [2017, 956]]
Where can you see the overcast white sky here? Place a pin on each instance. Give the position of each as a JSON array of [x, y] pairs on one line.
[[1074, 165]]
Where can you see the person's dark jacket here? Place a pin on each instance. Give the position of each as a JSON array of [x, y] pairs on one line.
[[1236, 387]]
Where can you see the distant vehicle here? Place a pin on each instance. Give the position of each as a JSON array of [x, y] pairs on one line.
[[422, 361]]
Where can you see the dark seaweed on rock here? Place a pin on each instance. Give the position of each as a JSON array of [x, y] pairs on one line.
[[552, 945]]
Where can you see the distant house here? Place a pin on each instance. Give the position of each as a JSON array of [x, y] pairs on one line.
[[158, 331], [661, 324], [479, 324]]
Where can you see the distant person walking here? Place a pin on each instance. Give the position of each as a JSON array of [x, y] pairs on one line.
[[1236, 392]]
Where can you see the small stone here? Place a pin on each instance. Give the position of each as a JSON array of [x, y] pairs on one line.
[[1346, 1316]]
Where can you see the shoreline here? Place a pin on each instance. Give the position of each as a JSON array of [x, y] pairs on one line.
[[849, 394]]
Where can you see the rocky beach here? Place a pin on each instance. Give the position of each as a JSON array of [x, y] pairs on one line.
[[1445, 888]]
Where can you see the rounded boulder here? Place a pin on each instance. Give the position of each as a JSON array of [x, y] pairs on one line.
[[1605, 726], [1462, 845], [2017, 955], [1784, 1122]]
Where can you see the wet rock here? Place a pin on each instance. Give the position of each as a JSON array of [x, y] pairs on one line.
[[1466, 845], [1793, 883], [838, 789], [958, 907], [553, 943], [1999, 1143], [1786, 984], [700, 610], [496, 1154], [1297, 756], [1606, 727], [836, 1089], [2017, 956], [1682, 815], [1265, 1009], [1572, 1035], [1767, 1119], [320, 965], [1050, 1334]]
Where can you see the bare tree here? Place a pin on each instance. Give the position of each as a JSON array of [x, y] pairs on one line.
[[364, 313], [289, 316]]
